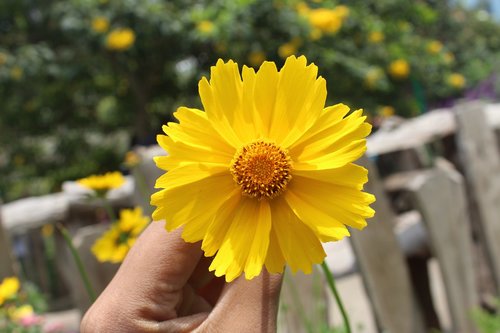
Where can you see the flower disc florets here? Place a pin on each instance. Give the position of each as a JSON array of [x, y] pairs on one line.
[[262, 169]]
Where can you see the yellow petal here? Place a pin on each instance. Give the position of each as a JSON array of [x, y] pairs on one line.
[[297, 96], [350, 175], [266, 85], [246, 241], [332, 138], [275, 261], [189, 173], [299, 245], [183, 204], [195, 129], [328, 201]]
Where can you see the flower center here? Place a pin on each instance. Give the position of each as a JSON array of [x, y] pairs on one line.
[[262, 169]]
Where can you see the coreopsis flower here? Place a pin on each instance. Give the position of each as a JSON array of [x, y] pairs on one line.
[[100, 24], [326, 20], [376, 37], [386, 111], [265, 173], [448, 58], [434, 47], [256, 58], [23, 311], [9, 288], [399, 69], [101, 184], [373, 76], [205, 27], [132, 159], [456, 80], [290, 48], [120, 39], [115, 243]]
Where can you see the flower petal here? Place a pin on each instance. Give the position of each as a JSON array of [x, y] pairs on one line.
[[327, 205], [246, 242], [275, 261], [299, 245], [349, 175], [193, 201]]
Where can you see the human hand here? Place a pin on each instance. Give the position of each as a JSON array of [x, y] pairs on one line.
[[164, 285]]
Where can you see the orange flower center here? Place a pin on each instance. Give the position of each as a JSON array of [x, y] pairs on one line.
[[262, 169]]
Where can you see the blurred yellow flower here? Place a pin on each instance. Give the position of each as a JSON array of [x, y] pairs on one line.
[[399, 69], [256, 58], [9, 288], [47, 230], [103, 183], [132, 159], [373, 75], [120, 39], [290, 48], [342, 11], [16, 73], [18, 313], [115, 243], [205, 27], [386, 111], [376, 37], [100, 24], [3, 58], [265, 173], [456, 80], [449, 58], [315, 34], [326, 20], [302, 8], [434, 47]]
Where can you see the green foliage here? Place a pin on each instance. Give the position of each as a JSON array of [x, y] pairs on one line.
[[488, 322], [72, 103]]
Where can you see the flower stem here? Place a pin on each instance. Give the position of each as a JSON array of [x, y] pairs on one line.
[[331, 284], [78, 261], [109, 210]]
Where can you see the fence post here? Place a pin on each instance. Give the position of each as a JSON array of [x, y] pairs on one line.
[[383, 266], [6, 264], [440, 197], [480, 160]]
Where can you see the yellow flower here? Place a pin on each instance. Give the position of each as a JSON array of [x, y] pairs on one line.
[[376, 37], [100, 24], [448, 58], [373, 75], [256, 58], [9, 288], [399, 69], [302, 8], [325, 20], [103, 183], [17, 314], [288, 49], [120, 39], [315, 34], [47, 230], [386, 111], [3, 58], [16, 73], [115, 243], [205, 27], [456, 80], [265, 173], [434, 47], [132, 159], [342, 11]]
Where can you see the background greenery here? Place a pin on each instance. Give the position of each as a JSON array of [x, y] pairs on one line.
[[81, 81]]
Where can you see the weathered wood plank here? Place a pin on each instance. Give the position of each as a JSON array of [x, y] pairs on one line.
[[6, 264], [481, 164], [383, 266], [440, 197]]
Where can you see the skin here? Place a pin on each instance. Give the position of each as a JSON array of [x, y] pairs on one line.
[[164, 285]]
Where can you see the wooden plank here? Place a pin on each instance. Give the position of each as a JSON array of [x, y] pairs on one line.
[[440, 197], [383, 266], [480, 160], [6, 264]]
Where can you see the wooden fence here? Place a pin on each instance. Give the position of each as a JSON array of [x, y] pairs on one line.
[[437, 182]]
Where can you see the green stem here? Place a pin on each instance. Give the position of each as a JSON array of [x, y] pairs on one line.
[[141, 183], [109, 210], [331, 284], [78, 261]]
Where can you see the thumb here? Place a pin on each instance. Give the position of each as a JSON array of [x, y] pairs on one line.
[[246, 306]]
